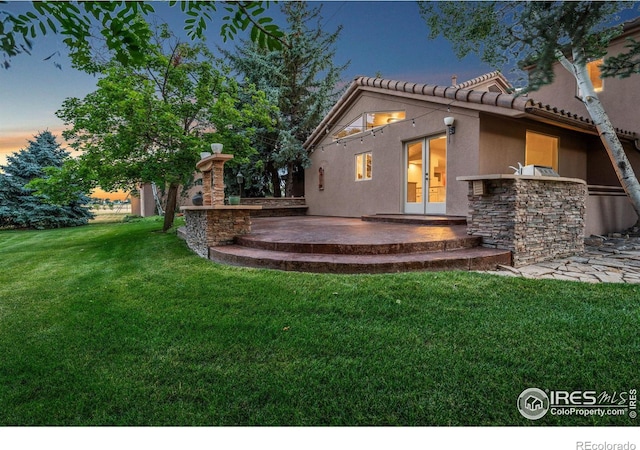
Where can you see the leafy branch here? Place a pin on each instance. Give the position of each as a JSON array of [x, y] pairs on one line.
[[122, 25]]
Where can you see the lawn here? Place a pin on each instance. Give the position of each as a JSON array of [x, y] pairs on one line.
[[119, 324]]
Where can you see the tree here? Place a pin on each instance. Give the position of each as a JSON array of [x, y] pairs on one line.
[[119, 24], [20, 207], [301, 79], [541, 34], [149, 123]]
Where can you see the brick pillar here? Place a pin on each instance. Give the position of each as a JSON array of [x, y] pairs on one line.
[[217, 195], [206, 187], [212, 168]]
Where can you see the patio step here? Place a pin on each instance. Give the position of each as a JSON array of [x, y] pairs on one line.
[[477, 258], [342, 248], [416, 219]]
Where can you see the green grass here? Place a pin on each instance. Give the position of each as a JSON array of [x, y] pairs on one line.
[[118, 324]]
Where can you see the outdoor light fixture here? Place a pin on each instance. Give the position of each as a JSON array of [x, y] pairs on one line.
[[216, 148], [448, 121], [240, 180]]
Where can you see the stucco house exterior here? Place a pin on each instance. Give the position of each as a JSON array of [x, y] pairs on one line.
[[384, 148]]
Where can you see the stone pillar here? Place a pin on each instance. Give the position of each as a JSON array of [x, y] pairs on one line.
[[537, 218], [212, 168], [217, 195], [206, 187], [215, 223]]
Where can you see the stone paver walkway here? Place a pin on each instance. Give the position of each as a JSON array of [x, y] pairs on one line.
[[613, 259]]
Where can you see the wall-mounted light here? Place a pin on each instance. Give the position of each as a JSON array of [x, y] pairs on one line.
[[240, 180], [448, 121]]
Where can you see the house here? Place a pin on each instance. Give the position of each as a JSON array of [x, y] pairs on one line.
[[533, 403], [385, 148]]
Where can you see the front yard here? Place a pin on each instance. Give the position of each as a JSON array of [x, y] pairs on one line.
[[118, 324]]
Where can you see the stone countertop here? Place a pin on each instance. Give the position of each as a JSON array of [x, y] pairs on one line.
[[507, 176]]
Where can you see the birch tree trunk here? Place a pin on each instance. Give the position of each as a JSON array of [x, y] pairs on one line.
[[606, 131]]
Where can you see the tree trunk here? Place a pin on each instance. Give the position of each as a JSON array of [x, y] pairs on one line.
[[298, 181], [170, 209], [275, 180], [289, 185], [606, 131]]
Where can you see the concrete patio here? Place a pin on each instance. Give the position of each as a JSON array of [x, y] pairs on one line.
[[374, 244]]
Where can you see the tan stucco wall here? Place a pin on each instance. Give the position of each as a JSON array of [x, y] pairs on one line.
[[600, 170], [608, 214], [620, 96], [144, 204], [384, 193], [502, 144]]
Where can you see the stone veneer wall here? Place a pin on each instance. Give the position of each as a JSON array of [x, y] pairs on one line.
[[208, 227], [270, 202], [537, 218]]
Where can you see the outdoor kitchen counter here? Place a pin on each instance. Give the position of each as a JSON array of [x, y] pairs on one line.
[[519, 177]]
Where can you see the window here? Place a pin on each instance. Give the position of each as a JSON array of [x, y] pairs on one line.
[[363, 166], [594, 73], [369, 121], [380, 119], [354, 127], [593, 70], [541, 150]]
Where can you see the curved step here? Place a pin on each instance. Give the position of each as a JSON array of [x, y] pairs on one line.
[[417, 219], [387, 248], [478, 258]]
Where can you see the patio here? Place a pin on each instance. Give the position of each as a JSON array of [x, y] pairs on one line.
[[373, 244]]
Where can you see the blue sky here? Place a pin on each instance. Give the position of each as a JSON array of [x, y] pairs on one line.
[[388, 37]]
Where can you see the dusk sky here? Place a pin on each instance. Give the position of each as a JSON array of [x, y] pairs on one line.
[[386, 37], [378, 37]]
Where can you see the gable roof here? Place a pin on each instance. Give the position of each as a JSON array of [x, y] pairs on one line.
[[494, 102], [492, 82]]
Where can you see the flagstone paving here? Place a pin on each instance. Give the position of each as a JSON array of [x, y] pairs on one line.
[[605, 260]]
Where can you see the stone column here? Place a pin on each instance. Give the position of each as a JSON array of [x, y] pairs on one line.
[[212, 168], [206, 187], [217, 195]]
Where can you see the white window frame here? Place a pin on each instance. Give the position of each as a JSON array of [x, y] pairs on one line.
[[361, 166]]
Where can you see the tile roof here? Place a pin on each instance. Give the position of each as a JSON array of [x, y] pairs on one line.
[[496, 101], [448, 92], [563, 116], [496, 76]]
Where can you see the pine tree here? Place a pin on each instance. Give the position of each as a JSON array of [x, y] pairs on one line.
[[19, 206], [301, 78]]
